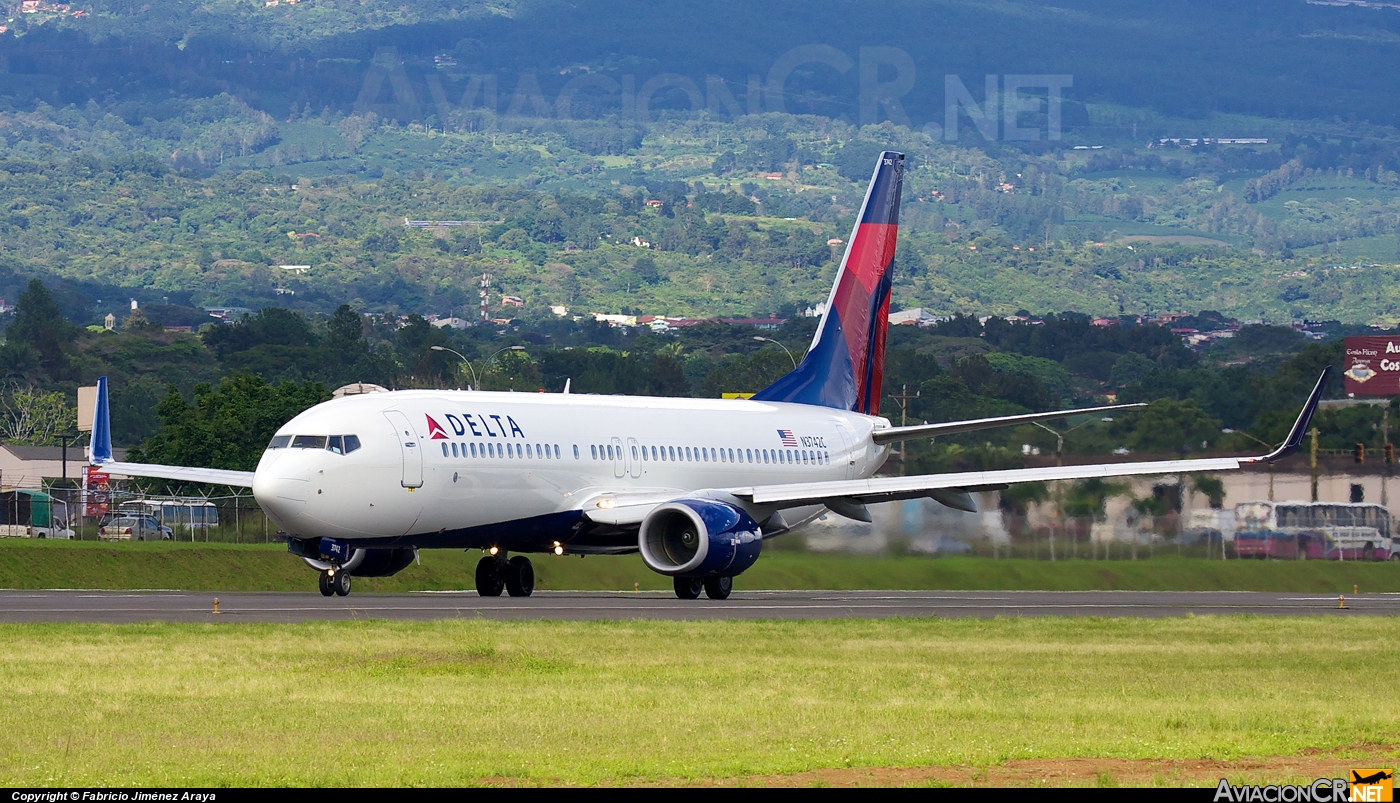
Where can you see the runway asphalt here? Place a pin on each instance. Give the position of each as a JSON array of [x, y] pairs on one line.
[[189, 606]]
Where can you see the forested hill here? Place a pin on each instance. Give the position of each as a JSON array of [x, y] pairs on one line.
[[1273, 58], [701, 159]]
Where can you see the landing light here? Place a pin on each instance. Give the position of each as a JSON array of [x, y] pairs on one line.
[[607, 504], [493, 550], [558, 548]]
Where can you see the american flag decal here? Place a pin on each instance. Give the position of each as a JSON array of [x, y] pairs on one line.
[[787, 436]]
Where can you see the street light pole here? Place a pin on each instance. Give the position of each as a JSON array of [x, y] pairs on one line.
[[484, 363], [1059, 485], [464, 360], [781, 346]]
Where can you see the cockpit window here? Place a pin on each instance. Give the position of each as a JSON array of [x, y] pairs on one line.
[[279, 442], [309, 442], [334, 445], [352, 442]]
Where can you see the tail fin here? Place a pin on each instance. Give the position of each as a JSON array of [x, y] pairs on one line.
[[101, 449], [845, 364]]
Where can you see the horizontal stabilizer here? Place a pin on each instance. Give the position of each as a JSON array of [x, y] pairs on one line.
[[896, 434], [209, 476]]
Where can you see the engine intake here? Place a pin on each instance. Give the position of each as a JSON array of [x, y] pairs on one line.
[[699, 538]]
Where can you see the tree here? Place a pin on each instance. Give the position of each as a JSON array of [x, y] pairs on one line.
[[227, 426], [1168, 425], [1212, 487], [40, 325], [30, 417], [138, 322], [1129, 368]]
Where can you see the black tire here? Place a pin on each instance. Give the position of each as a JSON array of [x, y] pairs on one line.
[[488, 577], [324, 581], [719, 587], [688, 587], [520, 576], [341, 584]]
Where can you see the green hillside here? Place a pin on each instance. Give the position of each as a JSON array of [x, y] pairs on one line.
[[186, 151]]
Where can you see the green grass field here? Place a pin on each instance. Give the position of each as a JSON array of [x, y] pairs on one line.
[[488, 702], [230, 567]]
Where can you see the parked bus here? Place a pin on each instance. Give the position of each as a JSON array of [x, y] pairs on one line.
[[26, 513], [1313, 530], [191, 514]]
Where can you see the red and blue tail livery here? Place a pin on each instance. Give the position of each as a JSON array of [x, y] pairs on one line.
[[845, 364]]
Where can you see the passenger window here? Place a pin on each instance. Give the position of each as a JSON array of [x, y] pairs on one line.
[[634, 453], [473, 447], [352, 442], [444, 448], [454, 449], [748, 455], [334, 445], [575, 451], [309, 442], [594, 450], [279, 442]]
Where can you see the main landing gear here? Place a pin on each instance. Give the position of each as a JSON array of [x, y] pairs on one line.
[[495, 573], [714, 587], [337, 583]]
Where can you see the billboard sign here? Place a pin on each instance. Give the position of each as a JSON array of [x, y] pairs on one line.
[[1372, 366], [97, 491]]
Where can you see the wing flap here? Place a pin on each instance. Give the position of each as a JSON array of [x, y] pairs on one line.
[[210, 476], [896, 434], [887, 488]]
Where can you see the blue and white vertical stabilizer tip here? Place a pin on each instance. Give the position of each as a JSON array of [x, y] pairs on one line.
[[101, 449]]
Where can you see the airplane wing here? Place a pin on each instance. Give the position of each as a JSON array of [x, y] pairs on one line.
[[853, 494], [100, 454], [896, 434], [889, 489], [211, 476]]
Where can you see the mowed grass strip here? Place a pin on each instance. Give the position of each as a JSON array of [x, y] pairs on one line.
[[229, 567], [490, 702]]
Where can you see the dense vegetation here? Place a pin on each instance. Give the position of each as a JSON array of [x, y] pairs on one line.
[[181, 154], [185, 151]]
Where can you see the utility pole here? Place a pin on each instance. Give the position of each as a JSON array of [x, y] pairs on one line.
[[1386, 453], [1312, 463], [485, 296], [903, 398]]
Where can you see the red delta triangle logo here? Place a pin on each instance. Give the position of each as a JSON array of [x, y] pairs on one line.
[[435, 430]]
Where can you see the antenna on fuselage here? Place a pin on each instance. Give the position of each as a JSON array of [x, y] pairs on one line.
[[567, 381]]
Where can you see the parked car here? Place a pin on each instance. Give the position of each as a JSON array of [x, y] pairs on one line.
[[134, 528]]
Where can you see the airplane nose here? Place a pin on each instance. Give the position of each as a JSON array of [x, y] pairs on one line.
[[283, 499]]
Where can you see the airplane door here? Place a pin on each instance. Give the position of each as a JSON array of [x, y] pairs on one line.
[[619, 459], [634, 455], [847, 453], [411, 448]]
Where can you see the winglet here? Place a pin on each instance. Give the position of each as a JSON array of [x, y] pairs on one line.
[[101, 448], [1300, 427]]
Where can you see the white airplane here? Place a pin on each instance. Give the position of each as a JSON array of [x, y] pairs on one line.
[[358, 484]]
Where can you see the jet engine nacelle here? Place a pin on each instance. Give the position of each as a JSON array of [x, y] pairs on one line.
[[699, 538], [384, 562]]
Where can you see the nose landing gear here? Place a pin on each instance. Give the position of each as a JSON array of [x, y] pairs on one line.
[[495, 574]]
